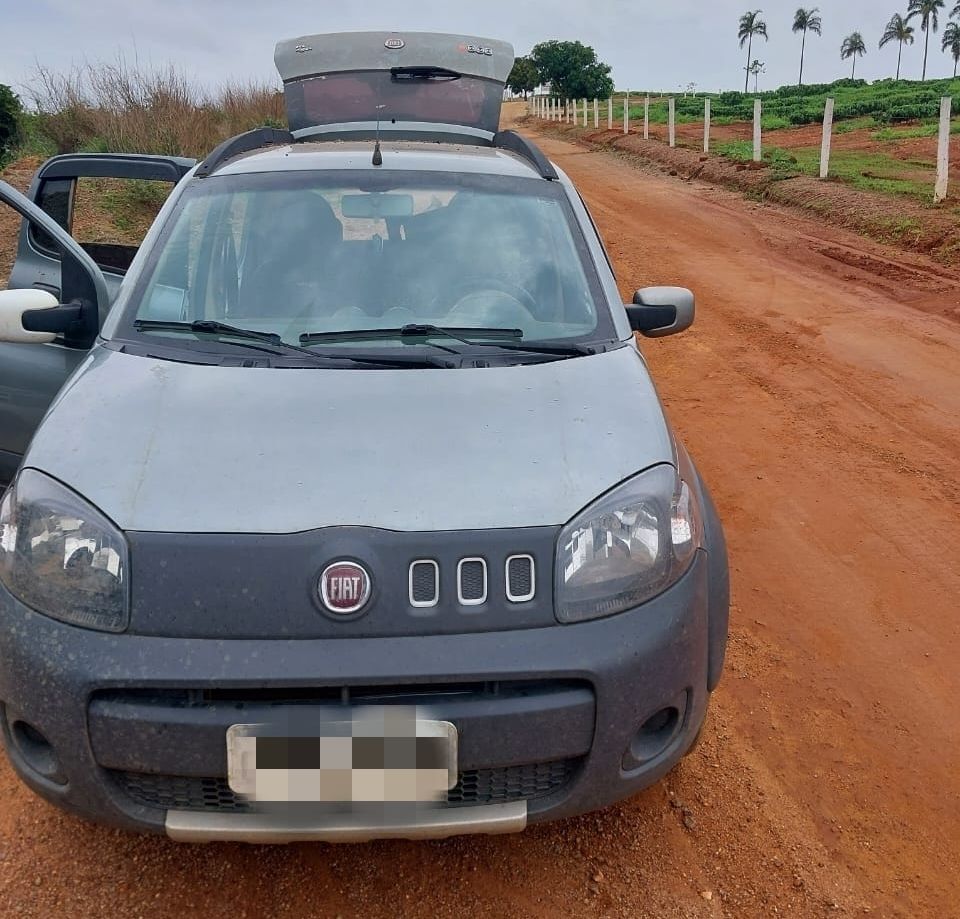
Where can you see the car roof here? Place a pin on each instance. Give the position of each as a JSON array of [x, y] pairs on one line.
[[404, 155]]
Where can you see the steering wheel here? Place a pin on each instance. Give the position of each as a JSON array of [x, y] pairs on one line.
[[465, 287]]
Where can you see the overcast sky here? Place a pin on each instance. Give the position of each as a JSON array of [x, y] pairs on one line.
[[651, 45]]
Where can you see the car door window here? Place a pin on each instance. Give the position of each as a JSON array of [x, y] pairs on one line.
[[109, 217]]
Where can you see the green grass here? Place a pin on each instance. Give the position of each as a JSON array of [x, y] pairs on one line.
[[855, 124], [874, 172], [925, 129], [33, 141], [784, 163], [131, 203]]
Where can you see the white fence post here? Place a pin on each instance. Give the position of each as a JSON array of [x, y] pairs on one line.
[[596, 113], [757, 148], [626, 114], [943, 151], [706, 125], [827, 136], [672, 129], [646, 118], [584, 101], [610, 114]]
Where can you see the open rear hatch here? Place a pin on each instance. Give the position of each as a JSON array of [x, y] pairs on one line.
[[423, 84]]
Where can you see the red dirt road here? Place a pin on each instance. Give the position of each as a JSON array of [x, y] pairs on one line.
[[819, 393]]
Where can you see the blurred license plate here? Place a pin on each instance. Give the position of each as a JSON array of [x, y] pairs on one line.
[[362, 759]]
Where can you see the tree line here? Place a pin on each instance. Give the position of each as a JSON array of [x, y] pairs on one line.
[[899, 29]]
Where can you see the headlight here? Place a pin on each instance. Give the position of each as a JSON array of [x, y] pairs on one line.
[[62, 557], [627, 547]]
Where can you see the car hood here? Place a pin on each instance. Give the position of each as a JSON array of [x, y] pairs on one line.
[[172, 447]]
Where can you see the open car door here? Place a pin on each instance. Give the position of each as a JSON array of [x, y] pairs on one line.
[[106, 202]]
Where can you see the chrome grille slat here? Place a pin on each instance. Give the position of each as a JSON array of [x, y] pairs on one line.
[[521, 579], [472, 581], [424, 583]]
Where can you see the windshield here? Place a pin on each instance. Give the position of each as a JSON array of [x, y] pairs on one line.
[[301, 254]]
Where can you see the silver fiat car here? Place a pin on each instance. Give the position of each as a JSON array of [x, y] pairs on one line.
[[345, 506]]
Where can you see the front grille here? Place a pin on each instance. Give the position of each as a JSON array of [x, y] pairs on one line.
[[475, 786], [510, 783], [180, 792]]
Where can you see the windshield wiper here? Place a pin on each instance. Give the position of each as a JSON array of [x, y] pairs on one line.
[[272, 343], [502, 339], [439, 74], [211, 327], [572, 350], [415, 330]]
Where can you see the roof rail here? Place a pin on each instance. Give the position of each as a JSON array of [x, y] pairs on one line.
[[266, 137], [242, 143], [517, 143]]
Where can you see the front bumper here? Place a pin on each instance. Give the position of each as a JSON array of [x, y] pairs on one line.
[[548, 718]]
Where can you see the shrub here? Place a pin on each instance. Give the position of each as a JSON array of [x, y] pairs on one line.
[[10, 114]]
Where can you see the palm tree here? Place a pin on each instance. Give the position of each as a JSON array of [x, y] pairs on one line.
[[898, 30], [806, 21], [951, 43], [851, 47], [927, 10], [750, 24]]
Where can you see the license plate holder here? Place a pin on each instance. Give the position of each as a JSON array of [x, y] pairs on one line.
[[364, 758]]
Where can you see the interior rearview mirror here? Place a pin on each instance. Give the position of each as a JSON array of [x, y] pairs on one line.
[[660, 311], [13, 305], [377, 205]]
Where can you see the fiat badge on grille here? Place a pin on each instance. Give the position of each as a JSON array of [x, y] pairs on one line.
[[344, 587]]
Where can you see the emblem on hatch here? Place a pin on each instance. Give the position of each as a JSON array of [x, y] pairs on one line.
[[344, 587], [394, 44]]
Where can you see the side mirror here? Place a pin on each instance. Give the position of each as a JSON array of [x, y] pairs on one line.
[[14, 304], [660, 311]]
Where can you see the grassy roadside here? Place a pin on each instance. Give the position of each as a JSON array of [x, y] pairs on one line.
[[875, 172]]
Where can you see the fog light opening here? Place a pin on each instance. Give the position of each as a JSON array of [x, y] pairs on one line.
[[654, 736], [36, 751]]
